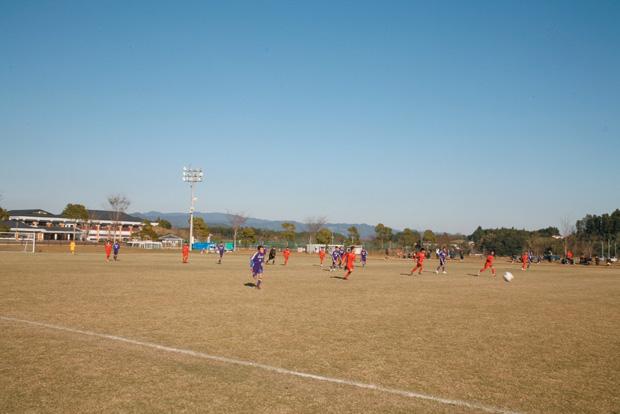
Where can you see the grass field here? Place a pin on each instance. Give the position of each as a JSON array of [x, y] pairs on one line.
[[547, 342]]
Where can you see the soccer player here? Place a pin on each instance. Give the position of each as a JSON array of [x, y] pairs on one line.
[[220, 250], [108, 250], [322, 255], [72, 247], [286, 253], [256, 264], [349, 262], [489, 263], [185, 252], [272, 256], [116, 247], [443, 256], [420, 256], [341, 254], [525, 261], [364, 256], [335, 258]]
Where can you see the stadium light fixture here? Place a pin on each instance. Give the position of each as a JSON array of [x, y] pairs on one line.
[[192, 176]]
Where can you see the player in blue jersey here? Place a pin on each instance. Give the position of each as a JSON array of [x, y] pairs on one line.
[[443, 256], [256, 264], [364, 256], [115, 248], [335, 259], [220, 250], [341, 254]]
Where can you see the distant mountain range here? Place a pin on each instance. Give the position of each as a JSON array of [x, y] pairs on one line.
[[221, 219]]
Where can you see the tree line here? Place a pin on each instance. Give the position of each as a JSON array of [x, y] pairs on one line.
[[511, 241], [409, 239], [584, 237], [599, 228], [591, 235]]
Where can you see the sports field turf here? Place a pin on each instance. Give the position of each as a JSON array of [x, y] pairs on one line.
[[547, 342]]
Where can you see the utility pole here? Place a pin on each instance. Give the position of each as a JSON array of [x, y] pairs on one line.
[[192, 176]]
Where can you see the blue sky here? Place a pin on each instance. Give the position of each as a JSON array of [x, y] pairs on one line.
[[442, 115]]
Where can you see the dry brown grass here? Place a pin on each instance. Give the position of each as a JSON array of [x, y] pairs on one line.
[[547, 342]]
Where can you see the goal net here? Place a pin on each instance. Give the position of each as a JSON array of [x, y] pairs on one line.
[[17, 242]]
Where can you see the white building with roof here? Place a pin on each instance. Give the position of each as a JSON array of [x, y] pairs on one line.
[[101, 225]]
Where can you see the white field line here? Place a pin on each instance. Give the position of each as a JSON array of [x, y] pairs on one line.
[[403, 393]]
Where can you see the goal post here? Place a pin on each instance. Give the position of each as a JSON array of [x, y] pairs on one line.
[[11, 241]]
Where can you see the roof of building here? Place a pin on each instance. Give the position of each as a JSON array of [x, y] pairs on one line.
[[93, 215], [170, 237], [36, 212], [111, 216], [14, 224]]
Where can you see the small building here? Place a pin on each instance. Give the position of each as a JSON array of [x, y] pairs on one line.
[[315, 247], [145, 244], [171, 241]]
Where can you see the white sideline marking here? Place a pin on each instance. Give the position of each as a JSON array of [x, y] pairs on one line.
[[403, 393]]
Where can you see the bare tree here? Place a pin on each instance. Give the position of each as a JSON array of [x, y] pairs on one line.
[[313, 225], [236, 221], [567, 229], [4, 214], [119, 205]]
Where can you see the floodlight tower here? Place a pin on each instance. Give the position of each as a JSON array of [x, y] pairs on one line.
[[192, 176]]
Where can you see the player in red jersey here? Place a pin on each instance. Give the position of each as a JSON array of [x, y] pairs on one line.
[[420, 256], [349, 262], [286, 254], [108, 250], [185, 252], [322, 255], [489, 263], [525, 259]]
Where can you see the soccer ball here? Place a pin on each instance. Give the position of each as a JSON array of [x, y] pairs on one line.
[[508, 277]]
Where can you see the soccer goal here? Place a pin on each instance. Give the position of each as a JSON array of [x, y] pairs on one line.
[[17, 242]]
